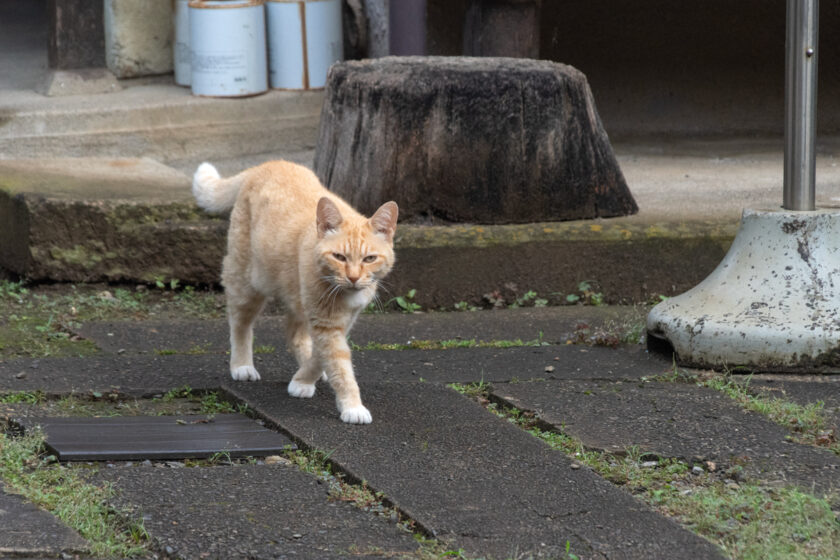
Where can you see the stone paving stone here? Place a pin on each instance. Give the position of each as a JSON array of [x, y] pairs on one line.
[[472, 479], [675, 420], [556, 324], [28, 531], [250, 511]]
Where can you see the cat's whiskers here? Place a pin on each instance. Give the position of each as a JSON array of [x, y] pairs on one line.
[[377, 302], [383, 285]]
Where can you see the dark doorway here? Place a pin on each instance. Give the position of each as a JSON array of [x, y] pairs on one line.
[[23, 44]]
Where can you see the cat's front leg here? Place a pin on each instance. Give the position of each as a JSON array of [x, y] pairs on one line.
[[331, 346]]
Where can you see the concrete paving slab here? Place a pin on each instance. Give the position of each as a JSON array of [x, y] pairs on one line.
[[251, 511], [553, 325], [29, 531], [675, 420], [467, 365], [139, 376], [474, 480], [150, 374]]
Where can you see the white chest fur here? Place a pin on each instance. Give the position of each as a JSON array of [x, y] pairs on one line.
[[358, 299]]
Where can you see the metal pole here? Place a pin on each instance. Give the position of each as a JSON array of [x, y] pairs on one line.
[[800, 104]]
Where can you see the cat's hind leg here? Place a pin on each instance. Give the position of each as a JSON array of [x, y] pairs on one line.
[[243, 309]]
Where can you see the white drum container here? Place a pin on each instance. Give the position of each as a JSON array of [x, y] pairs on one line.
[[304, 40], [182, 43], [227, 40]]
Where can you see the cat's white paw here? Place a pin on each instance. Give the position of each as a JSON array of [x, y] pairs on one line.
[[245, 373], [356, 415], [301, 390]]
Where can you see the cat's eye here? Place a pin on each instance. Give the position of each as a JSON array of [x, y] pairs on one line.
[[339, 257], [370, 258]]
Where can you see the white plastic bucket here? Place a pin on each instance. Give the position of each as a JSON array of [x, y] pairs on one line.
[[181, 52], [227, 40], [304, 40]]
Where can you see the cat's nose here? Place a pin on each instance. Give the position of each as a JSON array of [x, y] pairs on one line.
[[353, 279]]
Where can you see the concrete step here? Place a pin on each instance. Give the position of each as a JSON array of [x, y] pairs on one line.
[[159, 121]]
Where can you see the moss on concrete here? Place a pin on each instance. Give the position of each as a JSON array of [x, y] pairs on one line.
[[613, 230]]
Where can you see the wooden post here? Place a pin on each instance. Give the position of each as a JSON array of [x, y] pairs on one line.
[[76, 34]]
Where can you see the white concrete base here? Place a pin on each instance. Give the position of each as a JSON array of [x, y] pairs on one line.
[[85, 81], [773, 303]]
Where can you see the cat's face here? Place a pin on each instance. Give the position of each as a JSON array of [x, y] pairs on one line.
[[355, 255]]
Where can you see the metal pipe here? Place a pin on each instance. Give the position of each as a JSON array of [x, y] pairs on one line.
[[801, 104]]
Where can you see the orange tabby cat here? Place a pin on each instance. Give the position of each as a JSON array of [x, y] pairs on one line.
[[289, 237]]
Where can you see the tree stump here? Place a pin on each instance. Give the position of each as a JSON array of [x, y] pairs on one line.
[[481, 140]]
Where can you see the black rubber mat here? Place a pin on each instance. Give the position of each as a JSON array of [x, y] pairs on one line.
[[133, 438]]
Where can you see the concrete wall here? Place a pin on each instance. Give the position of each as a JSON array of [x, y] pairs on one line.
[[674, 66]]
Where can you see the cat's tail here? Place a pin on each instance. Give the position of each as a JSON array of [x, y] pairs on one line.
[[212, 192]]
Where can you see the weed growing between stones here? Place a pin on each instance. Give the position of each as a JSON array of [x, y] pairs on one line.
[[23, 397], [450, 344], [62, 490], [180, 401], [747, 520]]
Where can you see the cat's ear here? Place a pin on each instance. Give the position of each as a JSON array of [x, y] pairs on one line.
[[328, 218], [384, 220]]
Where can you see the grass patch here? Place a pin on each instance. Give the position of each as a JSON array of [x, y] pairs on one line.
[[757, 523], [62, 491], [746, 520], [43, 321], [23, 397], [209, 402]]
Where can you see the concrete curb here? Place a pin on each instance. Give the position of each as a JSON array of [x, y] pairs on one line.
[[82, 224]]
